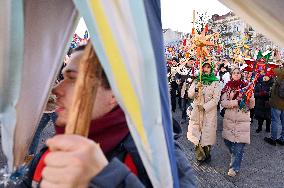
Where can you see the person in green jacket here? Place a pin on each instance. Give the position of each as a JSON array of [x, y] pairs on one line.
[[277, 109]]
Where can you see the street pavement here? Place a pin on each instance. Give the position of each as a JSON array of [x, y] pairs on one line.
[[262, 165]]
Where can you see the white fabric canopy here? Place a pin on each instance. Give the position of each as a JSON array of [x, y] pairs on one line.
[[49, 26], [11, 61]]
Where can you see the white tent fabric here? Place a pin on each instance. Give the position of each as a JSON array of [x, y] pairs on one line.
[[11, 61], [49, 26], [266, 16]]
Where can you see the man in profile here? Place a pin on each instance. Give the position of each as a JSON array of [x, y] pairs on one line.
[[76, 161]]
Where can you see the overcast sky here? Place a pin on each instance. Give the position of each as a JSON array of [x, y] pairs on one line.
[[177, 14]]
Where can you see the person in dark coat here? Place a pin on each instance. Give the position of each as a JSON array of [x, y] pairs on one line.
[[174, 84], [187, 72], [277, 109], [262, 110]]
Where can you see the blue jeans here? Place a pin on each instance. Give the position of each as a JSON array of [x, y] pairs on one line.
[[277, 118], [236, 151]]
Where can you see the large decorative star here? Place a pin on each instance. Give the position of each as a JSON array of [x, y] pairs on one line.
[[202, 44]]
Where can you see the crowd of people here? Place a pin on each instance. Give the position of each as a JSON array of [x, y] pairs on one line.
[[238, 94], [203, 91], [108, 157]]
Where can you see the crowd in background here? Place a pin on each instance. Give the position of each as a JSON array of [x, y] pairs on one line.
[[239, 93]]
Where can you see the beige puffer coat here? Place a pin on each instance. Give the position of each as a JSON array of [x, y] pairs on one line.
[[211, 96], [236, 122]]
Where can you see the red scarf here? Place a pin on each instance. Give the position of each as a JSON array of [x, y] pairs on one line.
[[108, 130], [234, 85]]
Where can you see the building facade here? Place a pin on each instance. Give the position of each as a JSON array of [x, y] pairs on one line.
[[236, 34], [171, 37]]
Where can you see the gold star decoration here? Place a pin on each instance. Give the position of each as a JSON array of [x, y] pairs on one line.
[[202, 44]]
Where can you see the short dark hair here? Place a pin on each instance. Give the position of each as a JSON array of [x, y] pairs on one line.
[[100, 74], [175, 59]]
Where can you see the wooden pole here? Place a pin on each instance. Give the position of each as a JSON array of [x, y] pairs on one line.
[[193, 18], [200, 95], [85, 92], [200, 70]]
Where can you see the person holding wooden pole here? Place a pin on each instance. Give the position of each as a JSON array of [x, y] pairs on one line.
[[203, 119], [103, 153]]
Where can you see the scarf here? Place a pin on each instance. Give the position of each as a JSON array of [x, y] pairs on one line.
[[108, 130], [207, 79], [234, 85]]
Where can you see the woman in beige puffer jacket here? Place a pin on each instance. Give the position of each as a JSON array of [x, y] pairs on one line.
[[203, 135], [236, 122]]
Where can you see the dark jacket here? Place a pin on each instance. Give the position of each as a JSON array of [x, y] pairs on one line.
[[262, 94], [276, 101], [116, 174], [174, 86]]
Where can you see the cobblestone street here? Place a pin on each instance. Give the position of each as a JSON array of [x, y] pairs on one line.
[[262, 166]]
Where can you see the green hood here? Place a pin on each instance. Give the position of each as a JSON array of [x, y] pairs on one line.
[[207, 79]]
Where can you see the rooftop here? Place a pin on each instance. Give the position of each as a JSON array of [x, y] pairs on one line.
[[216, 17]]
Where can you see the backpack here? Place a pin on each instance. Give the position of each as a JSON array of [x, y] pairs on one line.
[[280, 89], [121, 152]]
